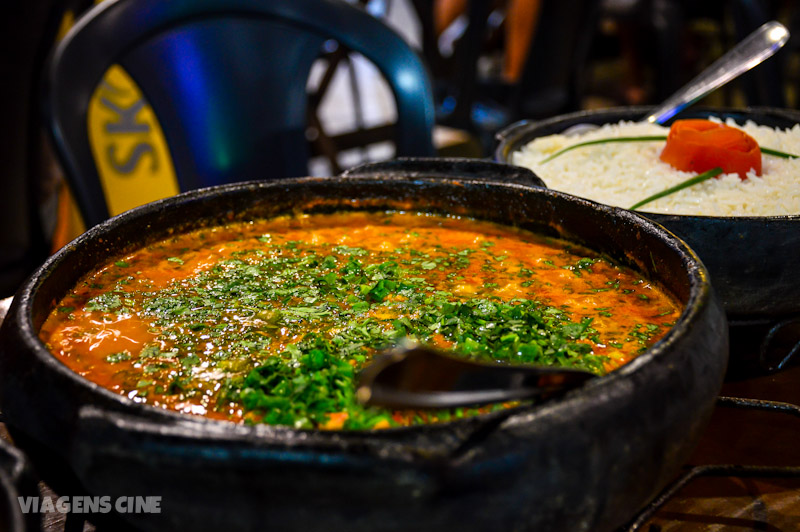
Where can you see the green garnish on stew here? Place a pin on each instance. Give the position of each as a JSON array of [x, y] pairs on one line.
[[270, 322]]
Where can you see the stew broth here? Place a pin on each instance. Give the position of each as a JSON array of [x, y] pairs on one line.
[[269, 321]]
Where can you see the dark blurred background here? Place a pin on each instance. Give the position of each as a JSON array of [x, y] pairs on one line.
[[491, 62]]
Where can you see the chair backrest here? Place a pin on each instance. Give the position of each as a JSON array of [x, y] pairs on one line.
[[227, 81]]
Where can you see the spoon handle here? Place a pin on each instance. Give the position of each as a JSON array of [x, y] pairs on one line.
[[413, 376], [754, 49]]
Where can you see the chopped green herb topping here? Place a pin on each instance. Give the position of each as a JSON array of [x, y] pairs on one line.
[[278, 327]]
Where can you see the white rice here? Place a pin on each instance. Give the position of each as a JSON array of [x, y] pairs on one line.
[[623, 173]]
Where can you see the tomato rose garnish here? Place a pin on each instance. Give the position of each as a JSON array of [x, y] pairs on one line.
[[700, 145]]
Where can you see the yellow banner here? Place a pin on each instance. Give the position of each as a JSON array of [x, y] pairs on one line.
[[128, 144]]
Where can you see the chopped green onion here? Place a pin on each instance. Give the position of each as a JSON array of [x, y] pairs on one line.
[[680, 186], [603, 141]]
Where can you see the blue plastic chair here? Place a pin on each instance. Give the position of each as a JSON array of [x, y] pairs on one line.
[[227, 81]]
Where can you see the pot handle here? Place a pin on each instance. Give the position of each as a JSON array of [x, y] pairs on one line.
[[17, 480], [506, 139], [781, 345], [103, 438], [510, 132], [446, 168]]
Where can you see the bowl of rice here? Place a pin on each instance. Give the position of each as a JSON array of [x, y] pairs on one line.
[[746, 231]]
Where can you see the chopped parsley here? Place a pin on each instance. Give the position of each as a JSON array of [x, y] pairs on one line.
[[279, 326]]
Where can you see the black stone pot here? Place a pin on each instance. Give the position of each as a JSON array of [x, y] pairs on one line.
[[586, 461], [754, 261]]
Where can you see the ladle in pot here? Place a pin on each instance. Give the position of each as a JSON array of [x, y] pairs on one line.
[[753, 50], [414, 376]]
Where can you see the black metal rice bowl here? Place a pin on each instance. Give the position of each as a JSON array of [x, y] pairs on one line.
[[587, 460], [753, 260]]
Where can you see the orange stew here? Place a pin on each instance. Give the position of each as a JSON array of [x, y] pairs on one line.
[[701, 145], [269, 321]]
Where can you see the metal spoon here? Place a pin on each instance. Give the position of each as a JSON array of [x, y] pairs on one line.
[[754, 49], [413, 376]]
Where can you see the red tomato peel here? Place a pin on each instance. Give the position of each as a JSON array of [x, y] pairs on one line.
[[700, 145]]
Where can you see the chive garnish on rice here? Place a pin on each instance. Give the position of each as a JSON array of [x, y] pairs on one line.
[[680, 186], [649, 138], [776, 153], [604, 141]]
